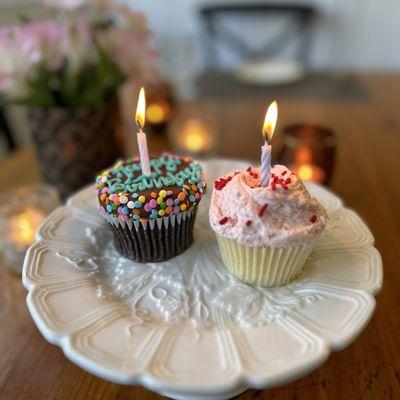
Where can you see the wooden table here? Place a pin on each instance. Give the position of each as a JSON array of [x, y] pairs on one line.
[[367, 177]]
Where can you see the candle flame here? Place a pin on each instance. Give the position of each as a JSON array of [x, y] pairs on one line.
[[141, 109], [270, 121]]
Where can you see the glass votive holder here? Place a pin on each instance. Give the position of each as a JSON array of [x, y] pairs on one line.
[[309, 151], [193, 134], [22, 211]]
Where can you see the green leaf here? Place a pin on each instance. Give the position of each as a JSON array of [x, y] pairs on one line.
[[40, 93], [24, 19], [90, 86]]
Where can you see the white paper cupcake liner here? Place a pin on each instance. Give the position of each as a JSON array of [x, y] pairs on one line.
[[262, 265]]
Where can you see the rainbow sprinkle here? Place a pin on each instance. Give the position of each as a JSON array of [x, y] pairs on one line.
[[175, 185]]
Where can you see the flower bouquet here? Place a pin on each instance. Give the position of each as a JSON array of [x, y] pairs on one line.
[[68, 71]]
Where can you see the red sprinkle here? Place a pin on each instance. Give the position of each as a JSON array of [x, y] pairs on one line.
[[273, 185], [220, 183], [313, 218], [249, 222], [262, 210], [223, 220], [252, 173], [283, 173], [288, 180]]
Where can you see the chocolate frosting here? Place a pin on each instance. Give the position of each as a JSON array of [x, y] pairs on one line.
[[176, 184]]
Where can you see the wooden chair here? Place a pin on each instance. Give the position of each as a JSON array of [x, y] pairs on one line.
[[299, 29]]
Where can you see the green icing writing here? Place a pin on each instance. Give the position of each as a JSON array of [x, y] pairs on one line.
[[117, 188], [163, 181], [122, 178]]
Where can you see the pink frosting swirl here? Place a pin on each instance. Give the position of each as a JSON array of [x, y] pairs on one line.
[[283, 214]]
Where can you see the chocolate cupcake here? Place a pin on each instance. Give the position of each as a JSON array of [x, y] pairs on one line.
[[151, 217]]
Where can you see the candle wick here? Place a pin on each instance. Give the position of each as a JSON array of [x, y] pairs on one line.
[[266, 141]]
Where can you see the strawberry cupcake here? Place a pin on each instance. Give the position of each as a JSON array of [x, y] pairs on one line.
[[265, 234]]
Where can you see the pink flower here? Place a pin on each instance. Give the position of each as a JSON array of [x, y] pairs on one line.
[[128, 50], [73, 41], [126, 42], [80, 50], [50, 37], [18, 54]]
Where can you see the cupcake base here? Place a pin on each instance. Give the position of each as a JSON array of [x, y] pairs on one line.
[[155, 240], [264, 266]]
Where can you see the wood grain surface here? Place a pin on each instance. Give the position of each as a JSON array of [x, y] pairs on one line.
[[367, 177]]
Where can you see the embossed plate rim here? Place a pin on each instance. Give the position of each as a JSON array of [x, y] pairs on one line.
[[237, 383]]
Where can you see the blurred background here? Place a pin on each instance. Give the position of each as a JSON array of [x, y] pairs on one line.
[[70, 71], [225, 48], [194, 36]]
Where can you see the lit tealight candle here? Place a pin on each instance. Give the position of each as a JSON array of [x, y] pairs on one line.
[[268, 131], [23, 227], [304, 168], [141, 136], [309, 172], [195, 137], [158, 112]]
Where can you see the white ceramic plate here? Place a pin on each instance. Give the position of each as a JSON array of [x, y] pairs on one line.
[[269, 72], [186, 328]]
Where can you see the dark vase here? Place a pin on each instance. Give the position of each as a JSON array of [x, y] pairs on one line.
[[73, 145]]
